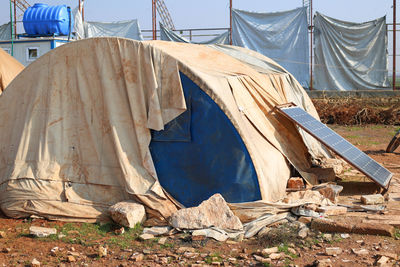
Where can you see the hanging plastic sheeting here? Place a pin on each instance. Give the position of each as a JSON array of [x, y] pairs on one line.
[[78, 28], [5, 31], [82, 29], [169, 35], [281, 36], [350, 56], [128, 29]]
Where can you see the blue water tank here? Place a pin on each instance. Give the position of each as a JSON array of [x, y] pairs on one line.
[[42, 19]]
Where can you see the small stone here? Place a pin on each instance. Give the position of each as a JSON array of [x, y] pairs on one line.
[[162, 240], [157, 230], [146, 236], [361, 242], [35, 263], [360, 252], [182, 250], [324, 263], [332, 251], [6, 250], [137, 257], [128, 213], [344, 236], [190, 255], [102, 251], [146, 251], [61, 235], [275, 256], [327, 237], [382, 261], [73, 253], [119, 231], [332, 210], [215, 263], [3, 234], [164, 260], [372, 199], [53, 251], [231, 242], [72, 249], [71, 258], [292, 251], [267, 251], [303, 232], [42, 231]]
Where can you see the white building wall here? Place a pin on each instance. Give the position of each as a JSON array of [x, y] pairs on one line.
[[21, 50]]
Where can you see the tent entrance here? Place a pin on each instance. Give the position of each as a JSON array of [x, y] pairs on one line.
[[200, 153]]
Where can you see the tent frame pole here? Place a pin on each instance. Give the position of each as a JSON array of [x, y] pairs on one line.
[[311, 46], [230, 22], [154, 18], [394, 46]]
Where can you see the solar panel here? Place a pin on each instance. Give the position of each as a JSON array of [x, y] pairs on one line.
[[338, 144]]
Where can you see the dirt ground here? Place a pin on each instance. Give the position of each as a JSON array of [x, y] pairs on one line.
[[78, 244]]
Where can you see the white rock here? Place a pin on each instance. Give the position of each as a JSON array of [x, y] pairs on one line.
[[360, 252], [267, 251], [146, 236], [35, 263], [344, 236], [42, 231], [324, 263], [157, 230], [212, 212], [382, 261], [212, 233], [102, 251], [333, 251], [128, 213], [372, 199], [275, 256], [303, 232], [162, 240]]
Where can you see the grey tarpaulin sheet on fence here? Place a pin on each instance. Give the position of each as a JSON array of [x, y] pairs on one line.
[[5, 31], [87, 29], [350, 56], [128, 29], [281, 36], [169, 35]]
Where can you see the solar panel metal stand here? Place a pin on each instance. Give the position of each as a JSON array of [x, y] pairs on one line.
[[336, 143]]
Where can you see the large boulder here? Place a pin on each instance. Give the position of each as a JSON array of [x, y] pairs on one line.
[[128, 213], [211, 212]]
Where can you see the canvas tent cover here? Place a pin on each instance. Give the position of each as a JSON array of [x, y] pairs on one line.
[[9, 68], [78, 123]]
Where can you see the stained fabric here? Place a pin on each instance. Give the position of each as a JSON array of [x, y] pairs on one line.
[[282, 36], [350, 56], [211, 159], [127, 29], [169, 35], [9, 69], [5, 31], [77, 125], [88, 29]]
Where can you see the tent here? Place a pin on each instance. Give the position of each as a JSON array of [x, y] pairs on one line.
[[9, 68], [102, 120]]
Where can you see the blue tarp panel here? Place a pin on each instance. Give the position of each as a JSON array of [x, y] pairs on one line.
[[200, 153]]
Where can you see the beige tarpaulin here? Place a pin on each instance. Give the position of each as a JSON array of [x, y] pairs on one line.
[[75, 124], [9, 68]]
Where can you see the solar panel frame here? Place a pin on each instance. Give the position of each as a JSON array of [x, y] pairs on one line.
[[337, 143]]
